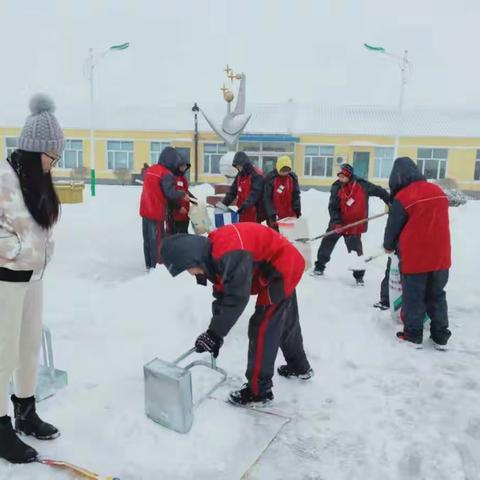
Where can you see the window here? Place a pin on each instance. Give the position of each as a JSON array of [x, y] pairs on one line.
[[383, 161], [212, 153], [264, 155], [11, 145], [432, 162], [119, 155], [156, 149], [476, 175], [73, 154], [318, 161]]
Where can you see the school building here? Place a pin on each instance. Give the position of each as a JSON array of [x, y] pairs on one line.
[[445, 144]]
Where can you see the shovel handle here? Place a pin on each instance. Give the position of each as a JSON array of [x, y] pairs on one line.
[[183, 356]]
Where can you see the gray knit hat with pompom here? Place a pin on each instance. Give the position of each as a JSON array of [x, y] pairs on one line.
[[41, 132]]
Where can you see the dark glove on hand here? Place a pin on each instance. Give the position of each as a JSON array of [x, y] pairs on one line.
[[337, 228], [241, 210], [208, 342], [298, 213]]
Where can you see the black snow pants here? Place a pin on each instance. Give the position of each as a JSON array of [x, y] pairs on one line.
[[423, 293], [271, 327], [353, 243], [153, 234], [180, 227]]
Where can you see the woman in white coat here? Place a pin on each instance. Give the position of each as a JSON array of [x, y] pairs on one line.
[[29, 208]]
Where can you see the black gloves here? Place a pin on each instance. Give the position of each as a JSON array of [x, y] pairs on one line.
[[298, 213], [208, 342], [241, 210]]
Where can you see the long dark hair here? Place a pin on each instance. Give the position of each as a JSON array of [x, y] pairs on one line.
[[37, 187]]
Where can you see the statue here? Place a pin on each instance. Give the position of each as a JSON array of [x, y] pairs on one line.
[[235, 121]]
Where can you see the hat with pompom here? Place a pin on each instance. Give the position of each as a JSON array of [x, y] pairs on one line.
[[41, 132]]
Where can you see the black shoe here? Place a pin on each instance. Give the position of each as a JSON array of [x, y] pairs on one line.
[[381, 306], [286, 371], [414, 342], [27, 422], [12, 448], [317, 272], [246, 397]]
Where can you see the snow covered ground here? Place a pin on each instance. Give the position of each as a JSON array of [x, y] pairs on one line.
[[375, 410]]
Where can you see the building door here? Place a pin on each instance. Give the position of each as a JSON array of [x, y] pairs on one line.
[[268, 163], [185, 154], [361, 164]]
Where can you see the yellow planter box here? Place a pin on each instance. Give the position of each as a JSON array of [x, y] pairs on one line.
[[70, 192]]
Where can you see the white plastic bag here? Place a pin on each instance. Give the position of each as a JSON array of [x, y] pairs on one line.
[[198, 215]]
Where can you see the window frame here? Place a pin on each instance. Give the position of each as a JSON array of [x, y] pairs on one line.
[[132, 152], [9, 150], [62, 160], [421, 166], [477, 166], [382, 159], [217, 145], [310, 157], [165, 143]]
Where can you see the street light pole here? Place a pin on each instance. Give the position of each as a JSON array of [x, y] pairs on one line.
[[92, 61], [195, 110], [404, 65]]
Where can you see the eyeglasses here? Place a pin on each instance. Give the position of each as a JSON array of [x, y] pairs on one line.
[[54, 160]]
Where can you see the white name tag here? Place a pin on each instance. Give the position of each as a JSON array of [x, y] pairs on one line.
[[180, 183], [280, 189], [239, 189], [350, 202]]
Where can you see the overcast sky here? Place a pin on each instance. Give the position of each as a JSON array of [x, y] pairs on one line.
[[308, 50]]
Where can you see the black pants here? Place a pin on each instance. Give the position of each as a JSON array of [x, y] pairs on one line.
[[423, 293], [353, 243], [180, 227], [384, 287], [271, 327], [153, 234]]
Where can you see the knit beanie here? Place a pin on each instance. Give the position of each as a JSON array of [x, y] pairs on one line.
[[346, 169], [41, 132], [282, 162]]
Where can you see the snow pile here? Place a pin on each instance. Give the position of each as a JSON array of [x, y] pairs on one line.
[[375, 409]]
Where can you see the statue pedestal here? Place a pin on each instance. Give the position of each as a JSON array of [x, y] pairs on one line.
[[220, 191]]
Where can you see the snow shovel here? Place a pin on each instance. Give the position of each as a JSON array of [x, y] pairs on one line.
[[345, 227], [168, 391]]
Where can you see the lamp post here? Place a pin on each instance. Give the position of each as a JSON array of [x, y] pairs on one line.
[[195, 111], [91, 62], [404, 63]]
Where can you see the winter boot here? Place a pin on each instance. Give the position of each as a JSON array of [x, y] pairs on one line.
[[413, 342], [246, 397], [439, 346], [27, 422], [288, 372], [381, 305], [317, 272], [12, 448]]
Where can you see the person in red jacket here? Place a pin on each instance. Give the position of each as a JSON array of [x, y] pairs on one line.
[[246, 259], [179, 213], [158, 190], [282, 193], [348, 203], [418, 228], [247, 189]]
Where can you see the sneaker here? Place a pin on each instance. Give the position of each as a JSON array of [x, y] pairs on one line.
[[316, 273], [245, 397], [287, 372], [408, 341], [381, 306], [439, 346]]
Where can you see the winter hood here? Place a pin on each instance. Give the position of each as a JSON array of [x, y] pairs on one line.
[[183, 251], [404, 172], [171, 159]]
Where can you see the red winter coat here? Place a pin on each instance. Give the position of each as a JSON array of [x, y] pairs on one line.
[[418, 223], [282, 195], [247, 188], [276, 265], [181, 184], [349, 203], [153, 203]]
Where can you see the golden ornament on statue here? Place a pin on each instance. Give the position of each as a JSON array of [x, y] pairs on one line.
[[228, 96]]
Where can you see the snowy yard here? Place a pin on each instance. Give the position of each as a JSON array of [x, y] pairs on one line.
[[375, 410]]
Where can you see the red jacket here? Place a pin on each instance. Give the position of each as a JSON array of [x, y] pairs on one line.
[[418, 223], [282, 195], [153, 203], [349, 203], [276, 265], [247, 188], [181, 184]]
